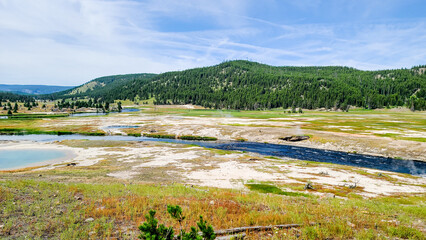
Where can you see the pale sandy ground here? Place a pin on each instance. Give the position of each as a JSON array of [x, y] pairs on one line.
[[199, 166]]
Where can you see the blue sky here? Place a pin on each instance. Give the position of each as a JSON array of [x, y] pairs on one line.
[[69, 42]]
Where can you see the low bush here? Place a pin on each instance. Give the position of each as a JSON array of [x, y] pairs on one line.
[[151, 230], [134, 134]]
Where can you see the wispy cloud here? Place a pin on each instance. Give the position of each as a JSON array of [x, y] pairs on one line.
[[68, 42]]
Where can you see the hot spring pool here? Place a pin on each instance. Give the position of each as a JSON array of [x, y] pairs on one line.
[[19, 158]]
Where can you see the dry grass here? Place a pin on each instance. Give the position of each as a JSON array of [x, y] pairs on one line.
[[117, 210]]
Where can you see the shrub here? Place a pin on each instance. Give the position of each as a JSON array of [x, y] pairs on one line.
[[134, 134], [152, 231]]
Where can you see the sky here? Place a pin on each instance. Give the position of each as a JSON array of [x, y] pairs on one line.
[[69, 42]]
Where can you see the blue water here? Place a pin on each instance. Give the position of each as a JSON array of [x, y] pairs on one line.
[[130, 110], [10, 159], [302, 153], [123, 126], [85, 114]]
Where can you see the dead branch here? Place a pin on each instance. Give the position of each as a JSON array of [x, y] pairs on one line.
[[257, 228]]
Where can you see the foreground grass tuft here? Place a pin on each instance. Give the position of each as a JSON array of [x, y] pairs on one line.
[[266, 188]]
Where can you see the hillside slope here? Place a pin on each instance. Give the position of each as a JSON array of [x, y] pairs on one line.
[[109, 87], [249, 85]]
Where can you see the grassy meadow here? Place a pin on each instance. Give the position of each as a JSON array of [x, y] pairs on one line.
[[40, 209]]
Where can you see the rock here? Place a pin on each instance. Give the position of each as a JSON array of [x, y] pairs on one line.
[[89, 220], [294, 138], [308, 186]]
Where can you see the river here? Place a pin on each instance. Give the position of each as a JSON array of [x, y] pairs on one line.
[[303, 153]]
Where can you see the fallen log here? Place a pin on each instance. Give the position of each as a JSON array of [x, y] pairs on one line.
[[255, 228], [232, 233]]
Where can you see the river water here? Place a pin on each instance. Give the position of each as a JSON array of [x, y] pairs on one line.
[[303, 153]]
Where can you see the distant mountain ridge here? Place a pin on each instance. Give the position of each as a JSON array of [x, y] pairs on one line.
[[250, 85], [32, 89]]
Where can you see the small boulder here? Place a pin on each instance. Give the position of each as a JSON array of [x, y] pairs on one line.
[[308, 186], [294, 138]]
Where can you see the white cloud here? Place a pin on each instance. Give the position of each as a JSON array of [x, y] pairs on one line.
[[68, 42]]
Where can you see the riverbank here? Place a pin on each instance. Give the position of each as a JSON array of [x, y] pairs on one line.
[[187, 164]]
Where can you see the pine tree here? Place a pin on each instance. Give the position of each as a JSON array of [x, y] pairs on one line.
[[15, 108]]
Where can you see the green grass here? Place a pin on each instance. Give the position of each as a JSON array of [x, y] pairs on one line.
[[169, 136], [266, 188], [23, 131], [32, 116], [172, 136], [405, 232]]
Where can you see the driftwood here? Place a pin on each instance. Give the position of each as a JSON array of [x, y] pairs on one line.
[[232, 233], [295, 138], [255, 228]]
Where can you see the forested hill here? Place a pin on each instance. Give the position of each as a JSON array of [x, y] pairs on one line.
[[109, 87], [250, 85], [12, 97]]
